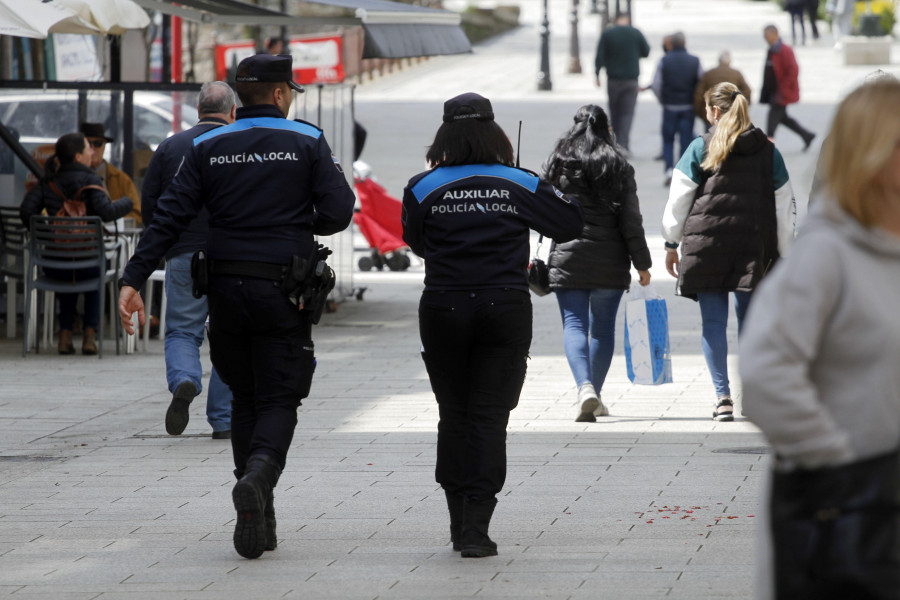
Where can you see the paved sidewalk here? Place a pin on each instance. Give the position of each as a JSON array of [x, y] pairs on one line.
[[657, 500]]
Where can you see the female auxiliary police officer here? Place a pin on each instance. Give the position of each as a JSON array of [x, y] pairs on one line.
[[469, 218]]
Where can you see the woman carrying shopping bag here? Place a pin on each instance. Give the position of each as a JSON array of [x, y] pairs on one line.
[[590, 274], [731, 208], [819, 360]]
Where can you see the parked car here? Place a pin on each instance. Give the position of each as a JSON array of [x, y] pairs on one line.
[[40, 117]]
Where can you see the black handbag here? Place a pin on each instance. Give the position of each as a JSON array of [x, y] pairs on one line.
[[539, 273], [836, 531]]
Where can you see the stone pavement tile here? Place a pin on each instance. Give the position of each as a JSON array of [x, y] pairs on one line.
[[520, 585], [41, 592]]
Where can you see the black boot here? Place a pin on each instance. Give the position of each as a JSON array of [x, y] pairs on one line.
[[250, 494], [474, 540], [455, 506], [271, 538]]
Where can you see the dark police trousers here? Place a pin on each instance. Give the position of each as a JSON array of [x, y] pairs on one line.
[[475, 347], [260, 344]]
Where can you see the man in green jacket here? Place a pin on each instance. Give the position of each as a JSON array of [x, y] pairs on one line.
[[620, 50]]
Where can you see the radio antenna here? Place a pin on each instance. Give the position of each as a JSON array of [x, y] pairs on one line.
[[518, 144]]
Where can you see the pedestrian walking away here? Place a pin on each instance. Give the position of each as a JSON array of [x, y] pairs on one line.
[[68, 176], [781, 87], [186, 315], [469, 218], [819, 369], [722, 73], [795, 9], [590, 274], [262, 219], [812, 12], [666, 47], [620, 50], [731, 209], [674, 82]]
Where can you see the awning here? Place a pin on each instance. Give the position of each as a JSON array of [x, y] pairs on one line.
[[225, 12], [401, 40], [393, 29], [398, 30]]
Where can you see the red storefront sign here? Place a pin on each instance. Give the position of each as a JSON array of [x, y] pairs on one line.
[[316, 60]]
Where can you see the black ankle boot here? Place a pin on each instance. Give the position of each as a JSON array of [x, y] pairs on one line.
[[250, 495], [455, 506], [271, 538], [474, 540]]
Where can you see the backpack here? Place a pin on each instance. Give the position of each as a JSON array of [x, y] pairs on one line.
[[74, 207]]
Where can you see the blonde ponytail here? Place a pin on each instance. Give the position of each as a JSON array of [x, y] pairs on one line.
[[735, 119]]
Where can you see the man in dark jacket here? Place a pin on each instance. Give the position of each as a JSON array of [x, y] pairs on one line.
[[676, 78], [620, 50], [781, 87], [186, 315]]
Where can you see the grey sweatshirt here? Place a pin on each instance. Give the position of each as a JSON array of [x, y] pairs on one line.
[[820, 350]]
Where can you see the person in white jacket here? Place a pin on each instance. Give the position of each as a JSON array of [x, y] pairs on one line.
[[732, 211], [821, 347]]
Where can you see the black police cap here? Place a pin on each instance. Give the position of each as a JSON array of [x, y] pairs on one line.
[[264, 68], [468, 106]]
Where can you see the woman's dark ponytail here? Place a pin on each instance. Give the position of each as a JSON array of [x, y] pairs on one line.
[[67, 147]]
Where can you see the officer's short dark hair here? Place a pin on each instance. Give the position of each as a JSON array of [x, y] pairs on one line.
[[470, 142], [255, 92]]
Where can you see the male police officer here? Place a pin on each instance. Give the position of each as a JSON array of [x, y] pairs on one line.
[[185, 314], [269, 184]]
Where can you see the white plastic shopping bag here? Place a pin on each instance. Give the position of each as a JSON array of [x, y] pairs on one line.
[[647, 356]]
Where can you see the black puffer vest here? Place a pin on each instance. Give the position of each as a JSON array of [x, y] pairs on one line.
[[730, 234]]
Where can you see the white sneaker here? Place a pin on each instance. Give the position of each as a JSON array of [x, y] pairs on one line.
[[591, 406]]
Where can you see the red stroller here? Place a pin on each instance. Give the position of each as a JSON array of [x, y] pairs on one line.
[[378, 219]]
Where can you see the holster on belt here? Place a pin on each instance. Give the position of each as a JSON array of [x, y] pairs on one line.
[[199, 274], [308, 281]]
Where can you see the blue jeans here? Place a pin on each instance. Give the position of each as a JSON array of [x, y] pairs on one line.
[[593, 311], [682, 123], [714, 313], [185, 324]]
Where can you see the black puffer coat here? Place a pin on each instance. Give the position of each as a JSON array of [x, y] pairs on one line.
[[731, 233], [611, 241], [69, 179]]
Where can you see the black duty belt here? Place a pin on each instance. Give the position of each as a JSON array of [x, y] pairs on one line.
[[246, 268]]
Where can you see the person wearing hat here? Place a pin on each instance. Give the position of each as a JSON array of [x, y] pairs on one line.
[[117, 182], [270, 185], [469, 217]]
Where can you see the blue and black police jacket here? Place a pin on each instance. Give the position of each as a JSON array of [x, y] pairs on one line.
[[471, 224], [270, 185]]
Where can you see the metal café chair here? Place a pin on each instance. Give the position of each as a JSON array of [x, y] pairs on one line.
[[12, 260], [71, 243]]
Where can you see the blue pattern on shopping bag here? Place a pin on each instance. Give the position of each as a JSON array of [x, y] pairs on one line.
[[657, 368]]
